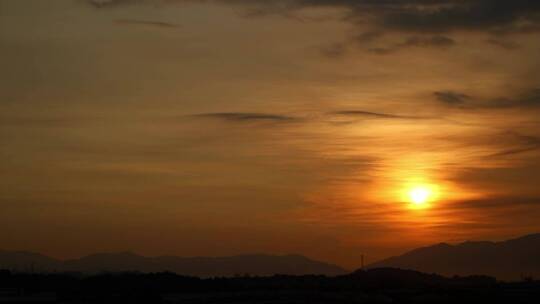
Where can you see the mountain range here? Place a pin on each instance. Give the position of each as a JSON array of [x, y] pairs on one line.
[[255, 264], [508, 260]]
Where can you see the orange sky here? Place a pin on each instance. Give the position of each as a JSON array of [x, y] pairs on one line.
[[227, 127]]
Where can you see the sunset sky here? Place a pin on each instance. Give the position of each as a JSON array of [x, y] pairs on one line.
[[210, 128]]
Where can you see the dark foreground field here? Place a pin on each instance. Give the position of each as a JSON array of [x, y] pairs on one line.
[[383, 285]]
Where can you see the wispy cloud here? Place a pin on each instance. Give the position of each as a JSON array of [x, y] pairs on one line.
[[426, 15], [150, 23], [503, 43], [511, 152], [111, 3], [528, 99], [451, 97], [431, 41], [335, 50], [416, 41], [404, 15], [368, 37], [496, 202], [367, 40], [521, 144], [245, 117], [368, 114]]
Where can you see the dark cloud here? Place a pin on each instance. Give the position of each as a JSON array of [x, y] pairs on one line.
[[520, 178], [520, 144], [145, 23], [451, 97], [530, 98], [505, 44], [335, 50], [404, 15], [111, 3], [368, 37], [527, 99], [433, 41], [416, 41], [497, 202], [462, 15], [381, 51], [245, 117], [430, 15], [492, 214], [511, 152], [359, 113], [499, 144]]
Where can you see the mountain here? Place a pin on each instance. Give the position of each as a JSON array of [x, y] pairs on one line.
[[401, 278], [27, 261], [510, 260], [255, 264]]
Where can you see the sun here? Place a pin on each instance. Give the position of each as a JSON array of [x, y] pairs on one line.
[[421, 195]]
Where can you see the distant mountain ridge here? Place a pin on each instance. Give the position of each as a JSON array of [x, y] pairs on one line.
[[509, 259], [254, 264]]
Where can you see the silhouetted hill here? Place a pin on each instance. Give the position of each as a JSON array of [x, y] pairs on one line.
[[27, 261], [510, 259], [256, 264], [383, 285], [403, 278]]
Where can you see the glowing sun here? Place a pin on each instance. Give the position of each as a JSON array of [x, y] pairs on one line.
[[419, 196]]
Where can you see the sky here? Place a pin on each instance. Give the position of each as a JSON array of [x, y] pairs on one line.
[[224, 127]]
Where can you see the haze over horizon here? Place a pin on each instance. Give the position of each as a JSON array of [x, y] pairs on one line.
[[328, 128]]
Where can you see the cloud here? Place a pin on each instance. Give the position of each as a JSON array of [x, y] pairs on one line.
[[438, 16], [416, 41], [368, 37], [501, 202], [245, 117], [451, 97], [427, 15], [145, 23], [491, 214], [528, 99], [522, 144], [110, 3], [495, 144], [367, 114], [433, 41], [335, 50], [402, 15], [505, 44], [511, 152], [381, 51]]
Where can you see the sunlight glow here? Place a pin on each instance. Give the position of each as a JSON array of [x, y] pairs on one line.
[[421, 195]]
